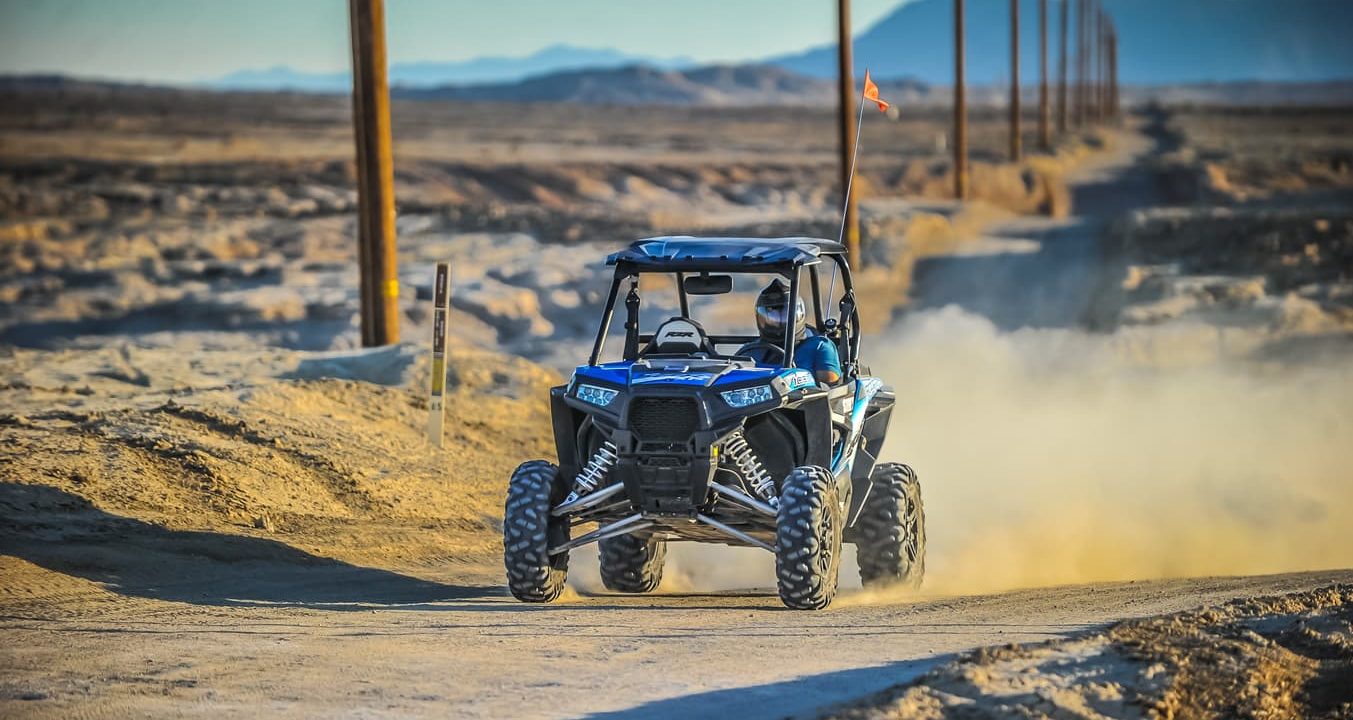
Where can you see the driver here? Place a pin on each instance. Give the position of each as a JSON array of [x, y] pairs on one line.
[[812, 352]]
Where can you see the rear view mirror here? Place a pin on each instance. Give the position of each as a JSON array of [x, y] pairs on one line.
[[705, 284]]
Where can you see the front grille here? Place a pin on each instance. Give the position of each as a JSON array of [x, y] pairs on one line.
[[661, 419]]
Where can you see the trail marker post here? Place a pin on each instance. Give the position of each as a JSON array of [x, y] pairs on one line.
[[441, 298]]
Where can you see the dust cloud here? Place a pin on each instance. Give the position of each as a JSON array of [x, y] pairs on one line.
[[1055, 456]]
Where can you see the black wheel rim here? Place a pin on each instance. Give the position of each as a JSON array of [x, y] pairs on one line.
[[824, 560], [912, 523]]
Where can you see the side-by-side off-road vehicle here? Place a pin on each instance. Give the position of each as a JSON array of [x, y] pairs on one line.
[[686, 437]]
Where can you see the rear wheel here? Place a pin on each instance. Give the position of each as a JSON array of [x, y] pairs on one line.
[[632, 563], [808, 539], [890, 532], [533, 575]]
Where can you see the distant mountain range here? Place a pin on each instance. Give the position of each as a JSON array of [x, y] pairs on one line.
[[1162, 42], [643, 85], [553, 59], [755, 85]]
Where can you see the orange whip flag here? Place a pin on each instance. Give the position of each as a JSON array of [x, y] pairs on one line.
[[871, 92]]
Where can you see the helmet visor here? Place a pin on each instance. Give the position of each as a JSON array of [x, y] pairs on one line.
[[771, 320]]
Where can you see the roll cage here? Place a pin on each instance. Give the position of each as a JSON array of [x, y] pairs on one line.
[[791, 258]]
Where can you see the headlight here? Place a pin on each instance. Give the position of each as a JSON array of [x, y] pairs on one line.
[[599, 396], [747, 396]]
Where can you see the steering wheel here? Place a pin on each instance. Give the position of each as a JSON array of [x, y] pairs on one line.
[[775, 353]]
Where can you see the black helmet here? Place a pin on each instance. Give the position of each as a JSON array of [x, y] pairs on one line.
[[772, 312]]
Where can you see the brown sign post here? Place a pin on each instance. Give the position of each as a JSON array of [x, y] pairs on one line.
[[375, 174]]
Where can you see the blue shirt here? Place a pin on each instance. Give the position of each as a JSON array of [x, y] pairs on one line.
[[814, 353], [817, 353]]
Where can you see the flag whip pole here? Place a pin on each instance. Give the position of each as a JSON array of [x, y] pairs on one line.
[[850, 177], [850, 180]]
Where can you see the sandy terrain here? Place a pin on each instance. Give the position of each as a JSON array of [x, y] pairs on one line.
[[211, 504], [138, 211], [1288, 656]]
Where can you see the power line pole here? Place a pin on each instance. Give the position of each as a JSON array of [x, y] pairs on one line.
[[1015, 150], [1093, 60], [1061, 75], [1113, 70], [1082, 66], [960, 109], [375, 174], [1104, 50], [1096, 45], [1076, 66], [1044, 119], [846, 75]]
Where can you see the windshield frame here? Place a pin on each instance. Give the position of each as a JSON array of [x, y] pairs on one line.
[[634, 336]]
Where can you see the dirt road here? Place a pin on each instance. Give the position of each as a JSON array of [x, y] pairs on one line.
[[254, 638], [1043, 272]]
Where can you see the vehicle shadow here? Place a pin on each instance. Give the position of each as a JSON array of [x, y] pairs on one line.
[[800, 696], [67, 534]]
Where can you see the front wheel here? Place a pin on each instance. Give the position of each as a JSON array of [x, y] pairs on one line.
[[533, 575], [808, 539], [890, 532]]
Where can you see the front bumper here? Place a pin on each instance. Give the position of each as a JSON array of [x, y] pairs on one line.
[[671, 482]]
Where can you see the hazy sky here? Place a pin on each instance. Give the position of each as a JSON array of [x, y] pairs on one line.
[[189, 40]]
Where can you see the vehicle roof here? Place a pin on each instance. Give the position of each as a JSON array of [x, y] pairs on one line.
[[719, 253]]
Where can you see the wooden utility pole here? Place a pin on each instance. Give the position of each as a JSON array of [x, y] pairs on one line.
[[375, 174], [960, 109], [1061, 75], [1081, 6], [1096, 43], [1096, 23], [1015, 149], [1113, 70], [1103, 75], [1044, 109], [846, 83]]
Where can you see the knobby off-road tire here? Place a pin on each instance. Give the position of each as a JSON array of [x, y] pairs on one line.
[[808, 539], [890, 532], [632, 563], [528, 531]]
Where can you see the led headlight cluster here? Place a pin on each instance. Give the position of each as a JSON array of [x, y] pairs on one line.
[[599, 396], [747, 396]]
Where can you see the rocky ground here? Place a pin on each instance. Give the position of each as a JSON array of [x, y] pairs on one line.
[[1289, 656], [131, 212], [1257, 239], [232, 450]]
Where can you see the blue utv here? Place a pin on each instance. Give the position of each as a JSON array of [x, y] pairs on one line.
[[687, 438]]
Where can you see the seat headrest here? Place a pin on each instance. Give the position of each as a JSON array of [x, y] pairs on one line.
[[677, 336]]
